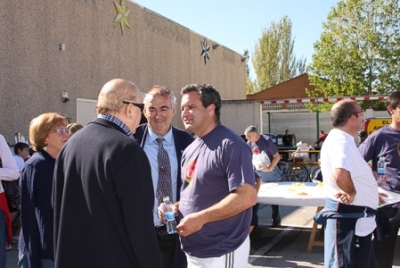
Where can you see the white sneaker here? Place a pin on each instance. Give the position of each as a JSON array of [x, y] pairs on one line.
[[9, 247]]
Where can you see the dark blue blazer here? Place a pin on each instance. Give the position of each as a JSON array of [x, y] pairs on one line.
[[181, 138]]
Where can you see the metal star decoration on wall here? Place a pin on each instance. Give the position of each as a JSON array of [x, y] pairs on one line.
[[204, 53], [122, 15]]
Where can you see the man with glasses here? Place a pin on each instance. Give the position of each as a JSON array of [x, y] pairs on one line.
[[160, 108], [102, 196], [385, 143], [352, 192]]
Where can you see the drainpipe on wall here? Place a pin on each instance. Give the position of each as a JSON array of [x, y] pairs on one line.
[[261, 117]]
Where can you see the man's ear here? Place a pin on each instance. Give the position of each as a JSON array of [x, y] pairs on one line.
[[128, 112], [211, 107]]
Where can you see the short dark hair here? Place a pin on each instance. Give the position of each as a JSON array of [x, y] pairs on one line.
[[393, 100], [20, 146], [31, 151], [341, 113], [209, 95]]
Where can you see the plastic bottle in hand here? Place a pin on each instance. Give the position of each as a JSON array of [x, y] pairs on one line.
[[381, 171], [169, 216]]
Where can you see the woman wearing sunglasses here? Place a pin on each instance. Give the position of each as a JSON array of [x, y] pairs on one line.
[[47, 133]]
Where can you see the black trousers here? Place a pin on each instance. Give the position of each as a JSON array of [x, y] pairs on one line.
[[168, 248], [384, 249]]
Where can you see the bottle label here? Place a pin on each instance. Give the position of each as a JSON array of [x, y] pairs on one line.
[[169, 216], [381, 171]]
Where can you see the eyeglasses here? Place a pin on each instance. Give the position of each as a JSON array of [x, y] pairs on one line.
[[139, 105], [356, 113], [62, 131]]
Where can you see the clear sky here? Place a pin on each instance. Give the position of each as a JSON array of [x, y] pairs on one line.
[[237, 24]]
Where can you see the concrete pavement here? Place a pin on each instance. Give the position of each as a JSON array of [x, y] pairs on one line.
[[285, 246]]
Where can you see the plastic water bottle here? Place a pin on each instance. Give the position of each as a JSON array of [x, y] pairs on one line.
[[169, 215], [381, 171]]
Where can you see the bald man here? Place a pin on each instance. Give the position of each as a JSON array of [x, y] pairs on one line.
[[352, 192], [102, 195]]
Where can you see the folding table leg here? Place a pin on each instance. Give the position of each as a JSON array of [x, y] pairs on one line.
[[311, 241]]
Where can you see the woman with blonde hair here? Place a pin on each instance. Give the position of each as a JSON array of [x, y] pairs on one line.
[[47, 133]]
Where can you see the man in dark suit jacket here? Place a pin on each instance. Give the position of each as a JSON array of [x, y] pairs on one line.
[[160, 107], [102, 196]]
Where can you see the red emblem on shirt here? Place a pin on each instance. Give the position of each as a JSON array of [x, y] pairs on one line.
[[191, 166]]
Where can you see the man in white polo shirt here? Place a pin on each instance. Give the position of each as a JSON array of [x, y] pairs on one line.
[[352, 192]]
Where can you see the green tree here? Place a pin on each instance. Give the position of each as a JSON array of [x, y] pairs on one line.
[[359, 50], [273, 59], [250, 85]]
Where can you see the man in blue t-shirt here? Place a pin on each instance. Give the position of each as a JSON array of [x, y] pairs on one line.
[[217, 185], [269, 172], [386, 142]]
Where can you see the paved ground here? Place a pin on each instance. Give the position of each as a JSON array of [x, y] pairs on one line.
[[286, 246], [273, 247]]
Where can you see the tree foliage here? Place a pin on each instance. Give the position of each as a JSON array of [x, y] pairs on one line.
[[273, 59], [250, 85], [359, 50]]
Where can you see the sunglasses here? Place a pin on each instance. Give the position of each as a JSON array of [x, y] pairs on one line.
[[139, 105]]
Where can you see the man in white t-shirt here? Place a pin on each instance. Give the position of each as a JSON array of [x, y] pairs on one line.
[[351, 190], [301, 153]]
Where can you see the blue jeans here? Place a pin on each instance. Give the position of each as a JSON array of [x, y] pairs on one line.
[[3, 239], [272, 176]]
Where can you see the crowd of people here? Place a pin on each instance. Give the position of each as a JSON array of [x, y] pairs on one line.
[[91, 199], [93, 196]]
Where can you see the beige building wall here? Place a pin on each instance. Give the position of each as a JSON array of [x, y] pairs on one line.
[[238, 115], [154, 50]]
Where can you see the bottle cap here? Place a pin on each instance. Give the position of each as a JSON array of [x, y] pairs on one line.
[[166, 198]]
